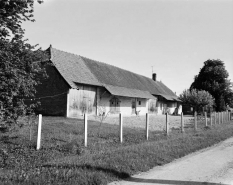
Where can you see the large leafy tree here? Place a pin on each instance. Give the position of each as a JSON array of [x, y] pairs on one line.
[[12, 14], [197, 99], [213, 77], [20, 62]]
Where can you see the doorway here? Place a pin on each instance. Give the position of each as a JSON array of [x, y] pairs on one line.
[[134, 106], [115, 105]]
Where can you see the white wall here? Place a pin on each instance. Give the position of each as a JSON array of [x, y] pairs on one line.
[[99, 100], [143, 108], [104, 97]]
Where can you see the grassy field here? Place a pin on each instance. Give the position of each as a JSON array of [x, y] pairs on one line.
[[63, 159]]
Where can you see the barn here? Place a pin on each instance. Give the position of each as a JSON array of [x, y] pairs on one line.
[[78, 85]]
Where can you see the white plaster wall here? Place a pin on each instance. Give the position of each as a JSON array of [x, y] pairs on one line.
[[160, 110], [143, 108], [103, 101], [171, 110], [125, 105]]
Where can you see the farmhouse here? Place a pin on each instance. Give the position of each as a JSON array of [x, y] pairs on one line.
[[78, 85]]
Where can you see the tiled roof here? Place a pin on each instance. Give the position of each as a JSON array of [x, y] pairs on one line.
[[72, 68], [75, 68], [123, 91]]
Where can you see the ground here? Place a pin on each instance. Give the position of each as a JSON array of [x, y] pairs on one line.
[[210, 166], [63, 159]]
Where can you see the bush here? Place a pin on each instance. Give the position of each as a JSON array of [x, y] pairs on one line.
[[73, 147]]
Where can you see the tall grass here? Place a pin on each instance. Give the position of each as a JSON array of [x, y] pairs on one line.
[[64, 160]]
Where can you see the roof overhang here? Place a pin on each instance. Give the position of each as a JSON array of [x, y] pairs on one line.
[[170, 98], [127, 92], [167, 97]]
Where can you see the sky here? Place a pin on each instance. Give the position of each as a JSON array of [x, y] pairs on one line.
[[171, 37]]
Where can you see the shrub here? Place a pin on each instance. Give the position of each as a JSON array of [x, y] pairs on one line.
[[73, 147]]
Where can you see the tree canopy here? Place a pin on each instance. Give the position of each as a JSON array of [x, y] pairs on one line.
[[197, 99], [12, 14], [20, 62], [213, 77]]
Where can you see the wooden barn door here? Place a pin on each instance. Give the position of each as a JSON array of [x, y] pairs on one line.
[[114, 105], [133, 105], [82, 101]]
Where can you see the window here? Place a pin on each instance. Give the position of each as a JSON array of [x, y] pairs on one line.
[[139, 102]]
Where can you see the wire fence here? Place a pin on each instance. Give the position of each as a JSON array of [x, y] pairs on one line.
[[57, 131]]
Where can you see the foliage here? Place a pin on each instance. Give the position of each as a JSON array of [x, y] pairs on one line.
[[12, 13], [197, 99], [19, 67], [73, 147], [213, 77], [20, 62]]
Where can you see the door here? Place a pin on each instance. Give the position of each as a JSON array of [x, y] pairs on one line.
[[114, 105], [134, 106]]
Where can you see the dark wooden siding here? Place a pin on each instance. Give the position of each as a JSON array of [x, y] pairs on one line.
[[52, 93]]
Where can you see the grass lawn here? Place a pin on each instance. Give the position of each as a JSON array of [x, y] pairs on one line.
[[63, 159]]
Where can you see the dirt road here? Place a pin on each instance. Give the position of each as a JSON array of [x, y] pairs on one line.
[[210, 166]]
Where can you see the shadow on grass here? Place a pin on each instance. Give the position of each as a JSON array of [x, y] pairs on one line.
[[162, 181], [112, 172]]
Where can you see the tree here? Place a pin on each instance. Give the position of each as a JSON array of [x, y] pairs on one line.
[[213, 77], [197, 99], [20, 62], [12, 13]]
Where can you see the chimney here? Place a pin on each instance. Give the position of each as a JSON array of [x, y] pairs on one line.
[[154, 76]]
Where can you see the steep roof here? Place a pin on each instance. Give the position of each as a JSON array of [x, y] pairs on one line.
[[72, 68], [78, 69]]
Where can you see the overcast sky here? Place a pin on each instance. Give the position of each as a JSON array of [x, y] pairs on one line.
[[173, 36]]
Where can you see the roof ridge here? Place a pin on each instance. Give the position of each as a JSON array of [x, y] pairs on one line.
[[93, 68], [116, 67], [81, 57], [124, 87], [66, 51], [102, 63]]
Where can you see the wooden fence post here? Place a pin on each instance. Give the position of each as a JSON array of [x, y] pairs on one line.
[[206, 124], [222, 117], [121, 127], [210, 118], [224, 120], [215, 118], [39, 132], [147, 126], [195, 121], [182, 123], [219, 118], [167, 122], [85, 129], [226, 117]]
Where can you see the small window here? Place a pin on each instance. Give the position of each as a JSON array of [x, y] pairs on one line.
[[139, 102]]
